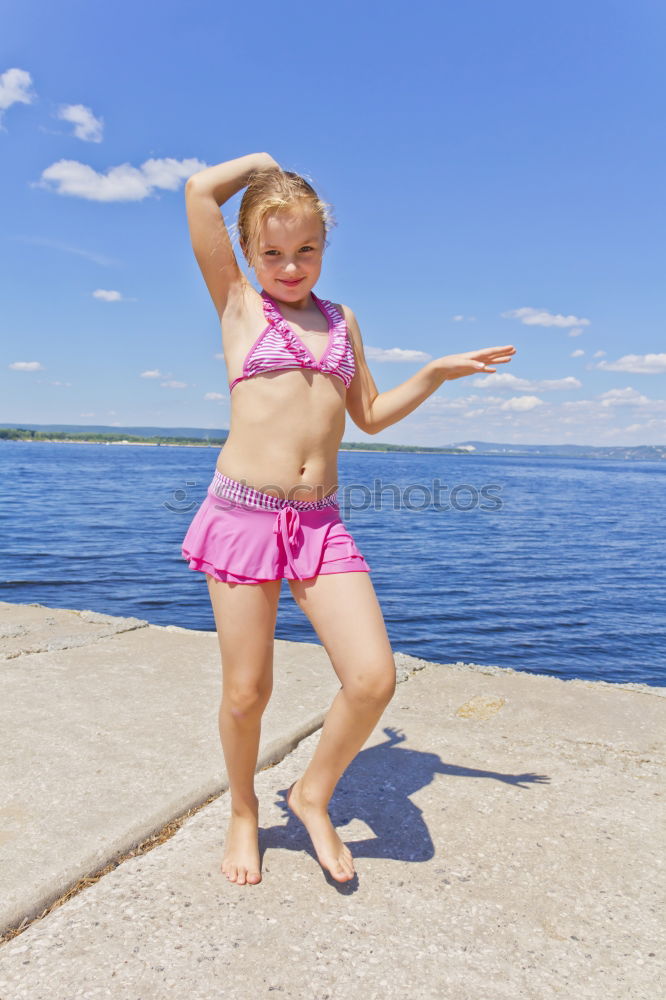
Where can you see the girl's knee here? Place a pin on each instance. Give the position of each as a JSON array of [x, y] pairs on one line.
[[388, 682], [374, 683], [245, 700]]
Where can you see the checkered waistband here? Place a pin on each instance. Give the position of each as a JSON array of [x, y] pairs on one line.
[[230, 489]]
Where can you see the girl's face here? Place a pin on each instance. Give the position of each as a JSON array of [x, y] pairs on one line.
[[290, 252]]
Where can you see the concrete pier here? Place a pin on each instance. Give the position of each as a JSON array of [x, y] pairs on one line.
[[507, 829]]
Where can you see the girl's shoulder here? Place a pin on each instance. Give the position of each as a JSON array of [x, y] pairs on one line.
[[350, 321]]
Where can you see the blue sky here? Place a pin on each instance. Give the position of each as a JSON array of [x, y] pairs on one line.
[[496, 171]]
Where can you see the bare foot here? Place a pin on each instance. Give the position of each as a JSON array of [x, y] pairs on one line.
[[241, 851], [331, 853]]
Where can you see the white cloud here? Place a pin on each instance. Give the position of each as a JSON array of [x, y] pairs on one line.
[[577, 354], [26, 366], [459, 318], [86, 126], [605, 404], [15, 87], [153, 373], [576, 332], [121, 183], [107, 295], [444, 417], [599, 407], [521, 403], [623, 397], [637, 364], [439, 401], [174, 385], [568, 382], [587, 408], [539, 317], [599, 354], [649, 425], [498, 380], [214, 396], [395, 354]]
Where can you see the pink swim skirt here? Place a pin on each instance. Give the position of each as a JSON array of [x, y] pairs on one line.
[[241, 535]]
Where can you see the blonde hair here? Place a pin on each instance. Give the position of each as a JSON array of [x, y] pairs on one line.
[[271, 190]]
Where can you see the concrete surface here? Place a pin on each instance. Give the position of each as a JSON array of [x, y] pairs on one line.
[[110, 731], [508, 831], [36, 628]]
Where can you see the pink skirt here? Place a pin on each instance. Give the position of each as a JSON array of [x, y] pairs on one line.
[[241, 535]]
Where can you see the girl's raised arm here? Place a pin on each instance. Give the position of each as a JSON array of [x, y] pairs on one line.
[[373, 411], [205, 191]]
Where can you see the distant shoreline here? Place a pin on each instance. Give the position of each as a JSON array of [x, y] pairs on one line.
[[187, 437], [205, 444]]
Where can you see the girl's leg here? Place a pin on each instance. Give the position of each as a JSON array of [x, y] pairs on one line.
[[344, 611], [245, 617]]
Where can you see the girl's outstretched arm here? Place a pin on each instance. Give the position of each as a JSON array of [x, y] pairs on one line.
[[205, 191], [373, 411]]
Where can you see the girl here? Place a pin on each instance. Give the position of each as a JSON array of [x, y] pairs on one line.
[[296, 363]]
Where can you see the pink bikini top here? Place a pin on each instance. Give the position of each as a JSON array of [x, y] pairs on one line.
[[278, 347]]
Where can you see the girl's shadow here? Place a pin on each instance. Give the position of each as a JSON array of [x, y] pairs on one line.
[[375, 789]]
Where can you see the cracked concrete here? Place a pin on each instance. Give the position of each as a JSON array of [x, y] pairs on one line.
[[34, 628]]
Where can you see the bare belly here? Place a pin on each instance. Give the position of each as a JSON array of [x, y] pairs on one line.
[[284, 435]]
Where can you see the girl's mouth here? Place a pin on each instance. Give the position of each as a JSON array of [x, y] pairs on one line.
[[290, 283]]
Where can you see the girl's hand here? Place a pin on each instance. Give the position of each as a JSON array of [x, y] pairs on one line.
[[473, 362]]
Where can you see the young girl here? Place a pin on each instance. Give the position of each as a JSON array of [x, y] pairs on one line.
[[295, 364]]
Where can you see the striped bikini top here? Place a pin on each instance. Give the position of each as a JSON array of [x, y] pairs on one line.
[[278, 347]]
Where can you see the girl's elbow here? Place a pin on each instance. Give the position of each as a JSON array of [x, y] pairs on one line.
[[369, 425], [365, 427], [373, 427]]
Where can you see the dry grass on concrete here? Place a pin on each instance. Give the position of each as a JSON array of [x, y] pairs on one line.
[[143, 847], [154, 840]]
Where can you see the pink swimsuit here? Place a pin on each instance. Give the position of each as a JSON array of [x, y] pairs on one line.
[[278, 347], [242, 535]]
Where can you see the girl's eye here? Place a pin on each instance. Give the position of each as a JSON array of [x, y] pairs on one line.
[[269, 253]]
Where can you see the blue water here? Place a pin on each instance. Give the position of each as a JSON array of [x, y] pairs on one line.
[[548, 565]]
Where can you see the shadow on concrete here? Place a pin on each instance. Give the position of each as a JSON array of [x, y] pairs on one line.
[[375, 789]]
